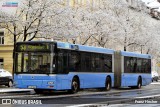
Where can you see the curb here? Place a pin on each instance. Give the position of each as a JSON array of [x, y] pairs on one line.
[[14, 90]]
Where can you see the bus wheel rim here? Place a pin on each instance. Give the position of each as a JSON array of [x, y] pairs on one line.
[[75, 86], [108, 86], [139, 85]]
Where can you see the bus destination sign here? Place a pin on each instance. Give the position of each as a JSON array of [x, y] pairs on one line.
[[33, 47]]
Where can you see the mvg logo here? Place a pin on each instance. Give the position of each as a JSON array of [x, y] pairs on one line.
[[6, 101]]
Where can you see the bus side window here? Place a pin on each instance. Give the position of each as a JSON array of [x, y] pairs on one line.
[[127, 65], [93, 62], [146, 66], [139, 65], [98, 63], [108, 63], [135, 65], [133, 62], [86, 62]]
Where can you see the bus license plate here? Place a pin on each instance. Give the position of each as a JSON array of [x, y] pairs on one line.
[[32, 87]]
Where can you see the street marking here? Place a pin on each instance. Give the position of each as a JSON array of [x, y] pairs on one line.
[[87, 105], [149, 96], [98, 105], [155, 83], [81, 105]]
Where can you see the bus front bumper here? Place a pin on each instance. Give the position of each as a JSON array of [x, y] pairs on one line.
[[35, 84]]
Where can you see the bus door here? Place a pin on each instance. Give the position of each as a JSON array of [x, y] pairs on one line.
[[130, 69], [62, 70]]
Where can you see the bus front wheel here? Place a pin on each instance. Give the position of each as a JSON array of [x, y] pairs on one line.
[[108, 84], [74, 86]]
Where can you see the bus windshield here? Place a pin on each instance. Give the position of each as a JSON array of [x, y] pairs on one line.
[[35, 62]]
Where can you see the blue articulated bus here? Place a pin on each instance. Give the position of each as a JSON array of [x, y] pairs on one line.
[[132, 69], [48, 65]]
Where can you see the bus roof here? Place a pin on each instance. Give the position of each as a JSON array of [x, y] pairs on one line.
[[84, 48], [37, 42], [133, 54], [65, 45]]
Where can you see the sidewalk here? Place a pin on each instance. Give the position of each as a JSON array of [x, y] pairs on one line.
[[4, 89]]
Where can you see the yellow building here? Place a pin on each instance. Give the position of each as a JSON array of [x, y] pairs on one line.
[[6, 50]]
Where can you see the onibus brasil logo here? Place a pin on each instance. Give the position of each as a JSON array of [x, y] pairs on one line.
[[20, 101]]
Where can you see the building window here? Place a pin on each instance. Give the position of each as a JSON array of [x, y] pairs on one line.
[[1, 38], [1, 63]]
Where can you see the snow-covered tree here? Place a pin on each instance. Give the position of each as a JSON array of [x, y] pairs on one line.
[[30, 18], [113, 24]]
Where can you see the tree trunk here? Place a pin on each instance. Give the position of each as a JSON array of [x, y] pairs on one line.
[[125, 48], [14, 47]]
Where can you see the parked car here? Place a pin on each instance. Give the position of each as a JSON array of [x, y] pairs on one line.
[[155, 76], [154, 4], [147, 1], [6, 78]]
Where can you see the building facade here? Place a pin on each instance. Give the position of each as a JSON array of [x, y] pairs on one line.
[[6, 51]]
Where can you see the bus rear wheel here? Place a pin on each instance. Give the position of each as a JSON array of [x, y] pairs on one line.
[[139, 84], [108, 84]]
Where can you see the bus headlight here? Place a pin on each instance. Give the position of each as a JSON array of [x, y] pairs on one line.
[[50, 83]]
